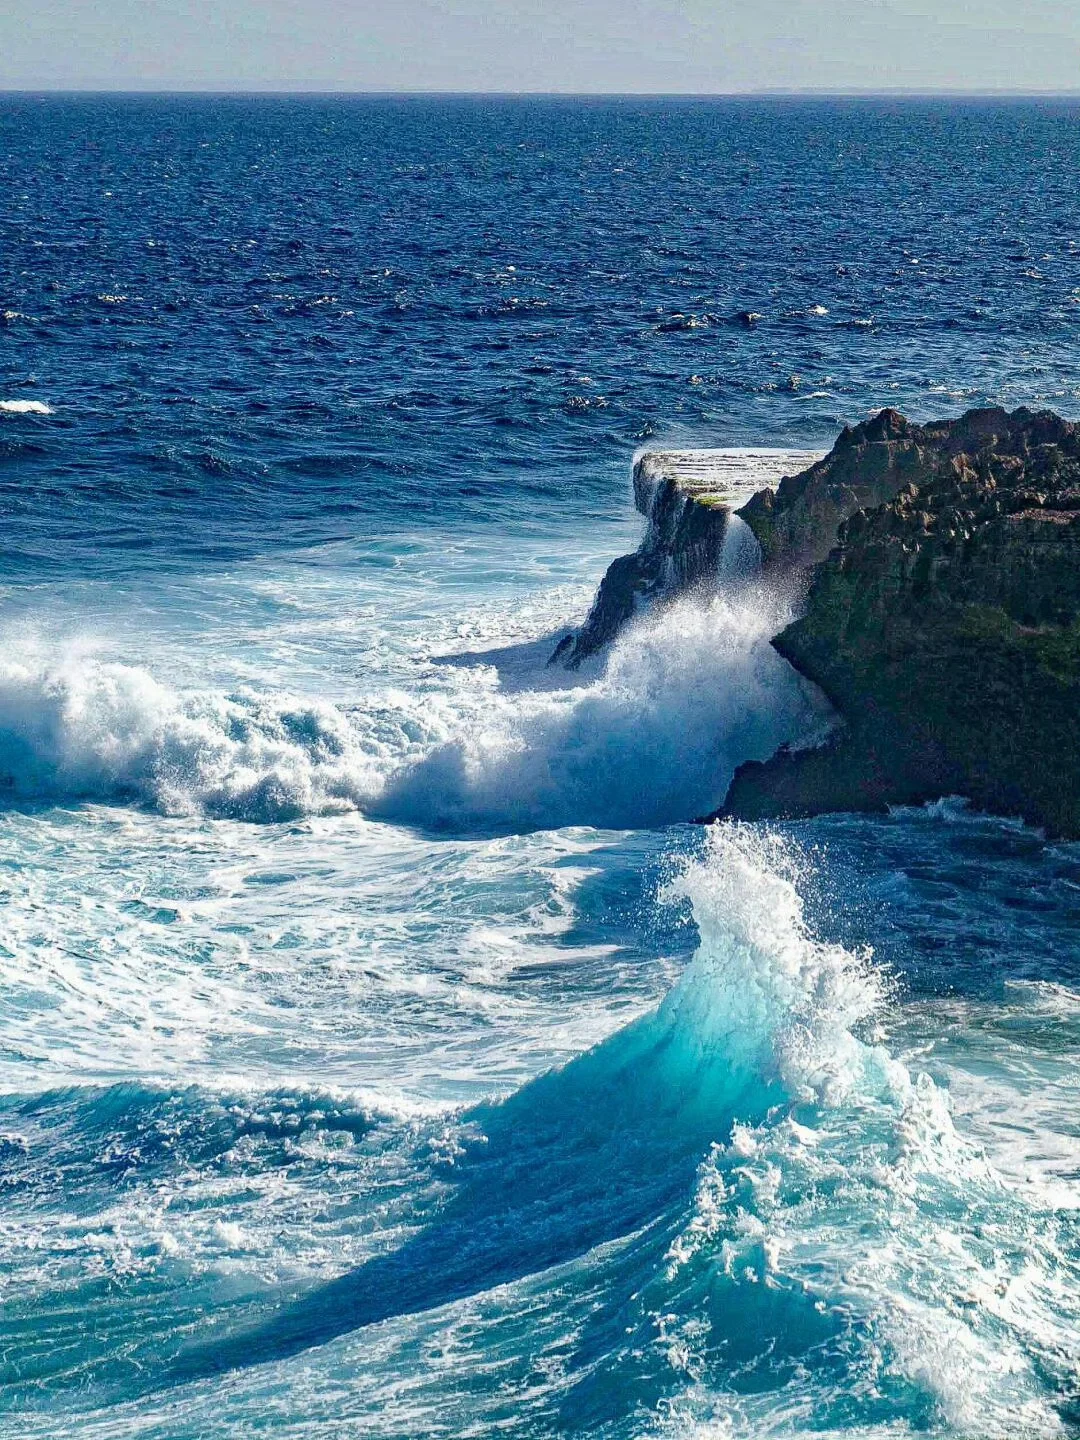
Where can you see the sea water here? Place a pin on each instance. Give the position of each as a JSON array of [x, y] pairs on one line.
[[382, 1052]]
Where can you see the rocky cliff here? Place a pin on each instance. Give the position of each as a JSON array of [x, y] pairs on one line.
[[942, 618], [688, 499]]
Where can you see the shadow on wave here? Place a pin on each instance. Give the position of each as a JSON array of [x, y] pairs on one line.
[[582, 1156]]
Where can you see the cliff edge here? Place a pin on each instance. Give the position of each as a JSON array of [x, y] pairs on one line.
[[689, 499]]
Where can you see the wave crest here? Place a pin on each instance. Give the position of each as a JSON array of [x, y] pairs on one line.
[[762, 990], [89, 729]]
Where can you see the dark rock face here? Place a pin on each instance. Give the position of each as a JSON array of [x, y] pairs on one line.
[[798, 523], [683, 543], [688, 498], [945, 623]]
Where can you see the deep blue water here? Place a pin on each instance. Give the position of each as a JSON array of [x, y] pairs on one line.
[[379, 1052], [344, 315]]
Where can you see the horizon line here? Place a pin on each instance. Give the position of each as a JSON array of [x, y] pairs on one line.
[[762, 92]]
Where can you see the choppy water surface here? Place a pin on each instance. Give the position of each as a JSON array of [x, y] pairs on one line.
[[381, 1052]]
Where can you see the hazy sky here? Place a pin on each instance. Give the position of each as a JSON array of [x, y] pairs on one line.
[[575, 45]]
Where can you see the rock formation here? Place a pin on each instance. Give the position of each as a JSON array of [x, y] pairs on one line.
[[942, 618], [688, 499]]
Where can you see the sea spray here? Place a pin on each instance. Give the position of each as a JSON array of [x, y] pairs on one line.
[[684, 696], [762, 985], [652, 736]]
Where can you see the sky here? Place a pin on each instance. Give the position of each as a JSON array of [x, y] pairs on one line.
[[577, 46]]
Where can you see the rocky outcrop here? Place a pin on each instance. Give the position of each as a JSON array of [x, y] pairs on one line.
[[943, 623], [688, 499], [797, 524]]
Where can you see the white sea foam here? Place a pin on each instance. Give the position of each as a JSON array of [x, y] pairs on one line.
[[25, 407], [681, 700]]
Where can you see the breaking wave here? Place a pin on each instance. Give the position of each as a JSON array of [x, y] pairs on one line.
[[765, 1018], [682, 699], [90, 729]]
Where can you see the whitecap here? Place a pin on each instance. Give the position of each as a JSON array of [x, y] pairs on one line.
[[25, 407]]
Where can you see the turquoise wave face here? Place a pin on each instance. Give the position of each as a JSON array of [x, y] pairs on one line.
[[753, 1198], [381, 1051]]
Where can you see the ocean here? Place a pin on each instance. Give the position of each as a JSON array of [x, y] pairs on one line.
[[383, 1050]]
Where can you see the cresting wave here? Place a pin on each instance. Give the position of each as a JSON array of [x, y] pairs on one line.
[[654, 736], [604, 1150], [847, 1220], [772, 999], [784, 1213]]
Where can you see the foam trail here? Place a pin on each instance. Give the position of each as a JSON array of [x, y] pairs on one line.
[[740, 556]]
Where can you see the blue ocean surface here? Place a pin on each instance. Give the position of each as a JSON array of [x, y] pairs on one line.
[[382, 1051]]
